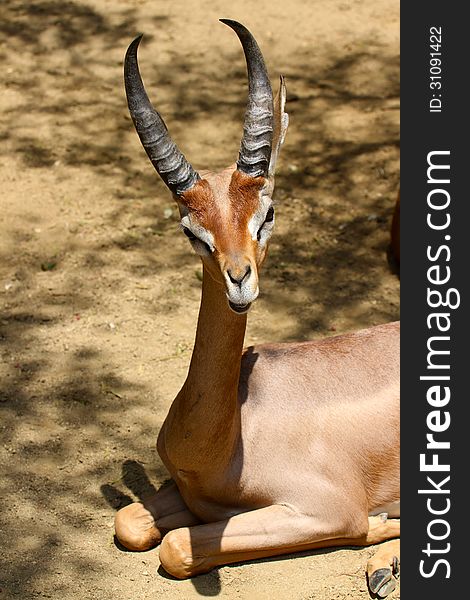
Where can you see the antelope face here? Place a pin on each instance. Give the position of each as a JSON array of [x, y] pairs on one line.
[[228, 217]]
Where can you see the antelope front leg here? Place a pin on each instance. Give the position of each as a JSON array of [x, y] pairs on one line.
[[141, 525], [269, 531]]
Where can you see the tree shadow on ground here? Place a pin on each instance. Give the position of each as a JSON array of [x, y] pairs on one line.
[[336, 186]]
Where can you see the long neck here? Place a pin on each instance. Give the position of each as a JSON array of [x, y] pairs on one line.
[[203, 420], [215, 363]]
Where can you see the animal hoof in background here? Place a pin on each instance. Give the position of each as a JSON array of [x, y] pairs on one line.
[[383, 581], [135, 528]]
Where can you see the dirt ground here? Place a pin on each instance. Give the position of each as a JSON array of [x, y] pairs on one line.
[[99, 291]]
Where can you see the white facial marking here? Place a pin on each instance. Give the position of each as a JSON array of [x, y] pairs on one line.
[[258, 219], [204, 236], [243, 294]]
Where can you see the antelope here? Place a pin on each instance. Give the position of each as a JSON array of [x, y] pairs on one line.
[[279, 447]]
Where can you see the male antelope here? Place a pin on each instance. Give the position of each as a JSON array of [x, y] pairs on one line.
[[275, 448]]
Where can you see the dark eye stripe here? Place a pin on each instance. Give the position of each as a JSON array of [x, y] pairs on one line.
[[269, 215], [188, 233], [268, 219], [193, 238]]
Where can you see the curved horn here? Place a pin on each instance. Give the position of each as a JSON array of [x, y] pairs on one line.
[[169, 162], [256, 144]]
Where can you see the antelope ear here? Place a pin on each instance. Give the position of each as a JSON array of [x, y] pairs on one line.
[[281, 122]]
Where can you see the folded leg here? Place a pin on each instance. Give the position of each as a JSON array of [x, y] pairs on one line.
[[269, 531], [142, 525]]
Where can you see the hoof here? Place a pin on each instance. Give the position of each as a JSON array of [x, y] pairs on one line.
[[135, 528], [383, 581], [176, 555]]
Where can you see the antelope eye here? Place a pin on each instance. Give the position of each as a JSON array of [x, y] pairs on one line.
[[269, 215], [188, 233], [268, 219], [193, 238]]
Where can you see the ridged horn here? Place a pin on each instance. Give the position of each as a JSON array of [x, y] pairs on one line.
[[256, 144], [168, 161]]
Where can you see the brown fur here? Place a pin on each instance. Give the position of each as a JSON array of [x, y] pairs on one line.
[[278, 448], [226, 212], [304, 434], [244, 195]]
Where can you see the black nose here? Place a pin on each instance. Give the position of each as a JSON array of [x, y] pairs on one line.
[[237, 277]]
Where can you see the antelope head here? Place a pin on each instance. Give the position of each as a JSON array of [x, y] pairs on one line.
[[228, 216]]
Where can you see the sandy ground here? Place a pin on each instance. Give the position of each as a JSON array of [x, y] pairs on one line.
[[99, 291]]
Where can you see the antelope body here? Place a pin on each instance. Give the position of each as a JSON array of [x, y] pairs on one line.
[[279, 447]]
